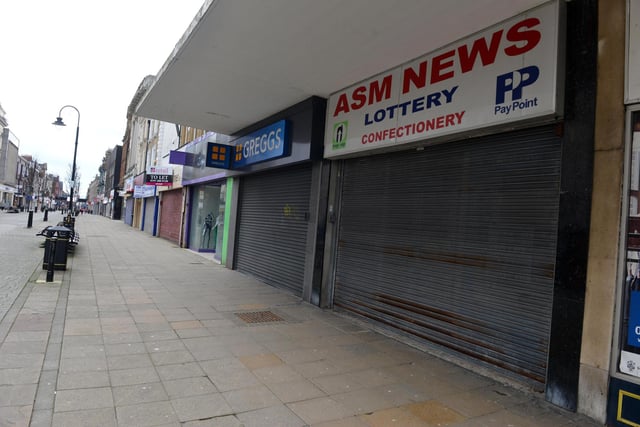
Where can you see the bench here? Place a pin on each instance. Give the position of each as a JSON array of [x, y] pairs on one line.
[[74, 237]]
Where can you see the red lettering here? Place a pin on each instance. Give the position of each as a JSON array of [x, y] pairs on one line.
[[449, 120], [479, 47], [359, 97], [342, 106], [520, 32], [410, 76], [379, 92], [439, 64]]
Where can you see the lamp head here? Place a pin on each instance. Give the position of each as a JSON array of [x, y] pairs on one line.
[[58, 122]]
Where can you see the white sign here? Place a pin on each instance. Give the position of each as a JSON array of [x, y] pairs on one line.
[[128, 184], [630, 363], [168, 170], [141, 191], [633, 53], [503, 74], [7, 189]]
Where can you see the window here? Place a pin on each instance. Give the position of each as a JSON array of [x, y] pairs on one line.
[[630, 325]]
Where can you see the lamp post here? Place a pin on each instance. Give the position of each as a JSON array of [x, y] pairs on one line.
[[59, 122]]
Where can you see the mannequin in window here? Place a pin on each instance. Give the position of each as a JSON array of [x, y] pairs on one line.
[[206, 230]]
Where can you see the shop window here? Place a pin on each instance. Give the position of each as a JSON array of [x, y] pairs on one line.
[[630, 330], [207, 216]]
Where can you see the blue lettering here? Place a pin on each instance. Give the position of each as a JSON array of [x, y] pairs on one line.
[[448, 94], [367, 120], [515, 82], [404, 106], [435, 99], [418, 104]]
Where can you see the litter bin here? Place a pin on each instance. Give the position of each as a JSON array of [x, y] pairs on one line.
[[60, 245], [69, 222]]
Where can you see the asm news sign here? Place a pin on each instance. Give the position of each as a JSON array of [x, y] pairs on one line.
[[503, 74]]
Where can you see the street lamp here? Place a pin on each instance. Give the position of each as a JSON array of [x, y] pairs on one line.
[[59, 122]]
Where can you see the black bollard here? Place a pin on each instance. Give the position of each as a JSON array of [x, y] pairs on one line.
[[46, 215], [30, 220], [52, 256]]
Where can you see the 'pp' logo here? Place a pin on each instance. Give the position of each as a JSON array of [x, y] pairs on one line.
[[514, 82], [339, 138]]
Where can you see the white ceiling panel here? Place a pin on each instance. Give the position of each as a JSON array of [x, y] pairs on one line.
[[241, 61]]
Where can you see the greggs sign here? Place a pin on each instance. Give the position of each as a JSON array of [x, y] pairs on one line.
[[506, 73]]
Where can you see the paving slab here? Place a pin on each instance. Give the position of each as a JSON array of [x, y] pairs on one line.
[[129, 339]]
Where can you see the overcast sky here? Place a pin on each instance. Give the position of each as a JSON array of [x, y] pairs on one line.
[[92, 55]]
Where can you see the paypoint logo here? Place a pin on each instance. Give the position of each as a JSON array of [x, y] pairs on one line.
[[513, 84], [339, 138]]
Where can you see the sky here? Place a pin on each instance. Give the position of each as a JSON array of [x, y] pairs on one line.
[[91, 55]]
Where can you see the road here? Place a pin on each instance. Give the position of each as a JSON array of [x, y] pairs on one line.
[[20, 253]]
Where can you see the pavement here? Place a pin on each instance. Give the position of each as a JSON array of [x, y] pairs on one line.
[[17, 259], [140, 332]]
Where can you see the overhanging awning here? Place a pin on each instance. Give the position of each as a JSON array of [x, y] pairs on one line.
[[241, 61]]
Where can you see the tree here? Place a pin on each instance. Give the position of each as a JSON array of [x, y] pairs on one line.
[[31, 179]]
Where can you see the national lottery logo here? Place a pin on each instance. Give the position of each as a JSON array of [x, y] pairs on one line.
[[511, 85], [339, 136]]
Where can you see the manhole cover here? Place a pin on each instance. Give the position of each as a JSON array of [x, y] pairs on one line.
[[259, 317]]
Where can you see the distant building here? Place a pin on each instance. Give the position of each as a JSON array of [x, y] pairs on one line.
[[9, 144]]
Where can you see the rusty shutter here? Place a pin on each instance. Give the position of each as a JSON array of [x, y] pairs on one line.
[[171, 215], [454, 245]]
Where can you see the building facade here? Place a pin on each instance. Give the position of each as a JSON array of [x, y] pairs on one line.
[[9, 145], [477, 197]]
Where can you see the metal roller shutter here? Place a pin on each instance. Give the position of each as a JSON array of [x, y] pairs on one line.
[[149, 214], [128, 212], [171, 215], [272, 226], [455, 245]]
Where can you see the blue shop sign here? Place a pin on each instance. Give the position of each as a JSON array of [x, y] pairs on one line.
[[633, 335], [219, 155], [271, 142]]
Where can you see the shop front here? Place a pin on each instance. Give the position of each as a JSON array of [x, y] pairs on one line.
[[447, 197], [163, 215], [282, 199], [171, 206], [205, 192], [146, 208], [624, 385], [206, 218], [256, 199], [7, 196]]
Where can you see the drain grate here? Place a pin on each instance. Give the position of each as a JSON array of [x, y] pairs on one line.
[[259, 317]]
